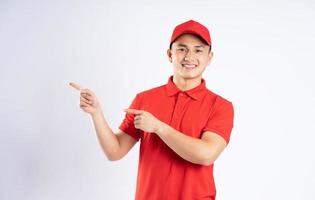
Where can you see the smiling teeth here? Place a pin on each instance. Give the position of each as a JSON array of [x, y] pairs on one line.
[[190, 66]]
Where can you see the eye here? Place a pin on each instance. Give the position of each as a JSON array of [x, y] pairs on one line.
[[199, 51]]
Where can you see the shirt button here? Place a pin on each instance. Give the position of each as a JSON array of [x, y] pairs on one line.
[[181, 94]]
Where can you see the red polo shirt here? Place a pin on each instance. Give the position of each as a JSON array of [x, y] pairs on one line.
[[163, 174]]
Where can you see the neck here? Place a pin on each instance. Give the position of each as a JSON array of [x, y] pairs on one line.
[[186, 84]]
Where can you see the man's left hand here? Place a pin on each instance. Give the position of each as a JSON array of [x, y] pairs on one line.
[[145, 121]]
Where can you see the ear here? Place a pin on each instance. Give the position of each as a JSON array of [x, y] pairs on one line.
[[169, 55], [210, 55]]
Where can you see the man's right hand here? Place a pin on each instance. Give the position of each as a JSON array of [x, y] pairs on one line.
[[88, 100]]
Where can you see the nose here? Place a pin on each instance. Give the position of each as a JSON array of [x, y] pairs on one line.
[[188, 55]]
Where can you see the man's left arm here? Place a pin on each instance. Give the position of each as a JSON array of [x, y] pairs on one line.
[[202, 151]]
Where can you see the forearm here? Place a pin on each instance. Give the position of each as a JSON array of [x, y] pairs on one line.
[[191, 149], [107, 139]]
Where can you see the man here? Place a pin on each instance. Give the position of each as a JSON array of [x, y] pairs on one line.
[[183, 126]]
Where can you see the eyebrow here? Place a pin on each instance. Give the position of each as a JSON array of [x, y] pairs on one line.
[[184, 45]]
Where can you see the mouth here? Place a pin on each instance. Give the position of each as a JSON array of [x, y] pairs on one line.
[[189, 66]]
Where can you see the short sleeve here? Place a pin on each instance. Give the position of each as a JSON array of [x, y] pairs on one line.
[[221, 121], [127, 124]]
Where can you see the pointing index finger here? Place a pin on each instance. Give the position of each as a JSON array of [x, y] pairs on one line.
[[76, 86], [133, 111]]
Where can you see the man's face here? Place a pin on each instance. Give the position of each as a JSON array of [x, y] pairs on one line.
[[189, 56]]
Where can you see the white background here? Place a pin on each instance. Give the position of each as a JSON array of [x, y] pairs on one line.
[[263, 62]]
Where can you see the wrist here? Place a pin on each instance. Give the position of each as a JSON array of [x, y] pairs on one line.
[[161, 128], [97, 113]]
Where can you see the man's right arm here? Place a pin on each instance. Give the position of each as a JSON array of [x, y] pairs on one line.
[[115, 146]]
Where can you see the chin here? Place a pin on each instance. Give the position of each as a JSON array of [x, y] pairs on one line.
[[189, 76]]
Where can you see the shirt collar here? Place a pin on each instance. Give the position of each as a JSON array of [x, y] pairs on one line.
[[196, 93]]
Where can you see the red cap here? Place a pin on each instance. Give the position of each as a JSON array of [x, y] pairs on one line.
[[193, 27]]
